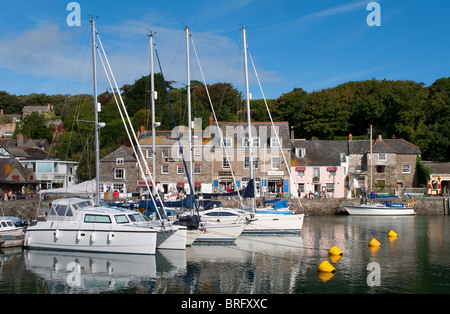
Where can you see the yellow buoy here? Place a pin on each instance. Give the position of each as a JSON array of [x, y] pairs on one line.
[[392, 234], [326, 267], [374, 242], [335, 251]]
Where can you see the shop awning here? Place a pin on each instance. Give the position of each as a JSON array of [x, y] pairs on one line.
[[300, 168]]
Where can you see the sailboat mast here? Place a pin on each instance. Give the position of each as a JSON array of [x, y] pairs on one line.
[[97, 149], [371, 164], [250, 144], [153, 96], [188, 87]]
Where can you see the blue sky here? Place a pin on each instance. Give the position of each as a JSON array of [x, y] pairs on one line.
[[294, 43]]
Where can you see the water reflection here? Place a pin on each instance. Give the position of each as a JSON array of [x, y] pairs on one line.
[[417, 261]]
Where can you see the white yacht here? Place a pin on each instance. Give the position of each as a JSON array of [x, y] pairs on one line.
[[75, 224], [380, 209], [275, 221], [220, 225]]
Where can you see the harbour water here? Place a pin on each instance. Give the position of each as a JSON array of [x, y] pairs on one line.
[[417, 261]]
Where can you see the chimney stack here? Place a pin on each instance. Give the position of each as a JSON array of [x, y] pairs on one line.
[[19, 140], [350, 137], [292, 133]]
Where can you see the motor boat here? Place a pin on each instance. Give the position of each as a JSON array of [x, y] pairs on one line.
[[75, 224]]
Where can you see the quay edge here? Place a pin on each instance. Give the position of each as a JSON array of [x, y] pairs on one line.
[[430, 205]]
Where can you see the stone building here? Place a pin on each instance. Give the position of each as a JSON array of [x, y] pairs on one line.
[[119, 172], [393, 164], [220, 157]]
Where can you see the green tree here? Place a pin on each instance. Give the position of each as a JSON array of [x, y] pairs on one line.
[[33, 126]]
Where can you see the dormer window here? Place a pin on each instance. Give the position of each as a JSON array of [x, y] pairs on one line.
[[300, 152], [119, 161], [255, 142], [275, 142], [227, 142]]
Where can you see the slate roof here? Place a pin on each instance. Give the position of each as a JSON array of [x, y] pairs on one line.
[[30, 153], [168, 138], [398, 146], [9, 165], [122, 152], [27, 142], [442, 168], [319, 152]]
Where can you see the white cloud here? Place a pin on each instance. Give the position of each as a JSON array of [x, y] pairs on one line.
[[43, 52], [51, 54]]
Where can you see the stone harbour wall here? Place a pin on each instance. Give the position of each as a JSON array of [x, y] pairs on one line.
[[433, 205]]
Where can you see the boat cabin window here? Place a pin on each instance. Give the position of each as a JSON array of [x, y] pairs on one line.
[[79, 205], [97, 218], [121, 219], [61, 210], [9, 223], [135, 217], [4, 224]]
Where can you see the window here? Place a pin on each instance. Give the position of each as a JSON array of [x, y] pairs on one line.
[[197, 169], [275, 142], [381, 169], [120, 187], [165, 153], [247, 163], [275, 162], [121, 219], [149, 153], [330, 187], [119, 173], [255, 142], [97, 219], [382, 157], [406, 168], [119, 161], [164, 169], [225, 163], [316, 174], [180, 169], [300, 152], [226, 142], [197, 153]]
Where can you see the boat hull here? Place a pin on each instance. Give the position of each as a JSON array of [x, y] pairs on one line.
[[173, 238], [13, 232], [368, 210], [220, 232], [274, 223], [70, 237]]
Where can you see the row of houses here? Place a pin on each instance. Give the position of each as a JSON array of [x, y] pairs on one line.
[[282, 164], [221, 163], [26, 167]]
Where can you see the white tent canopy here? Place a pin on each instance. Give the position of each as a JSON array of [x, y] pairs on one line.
[[83, 188]]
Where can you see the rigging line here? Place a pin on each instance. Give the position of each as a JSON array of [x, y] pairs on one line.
[[215, 118], [360, 158], [134, 134], [273, 125], [175, 128]]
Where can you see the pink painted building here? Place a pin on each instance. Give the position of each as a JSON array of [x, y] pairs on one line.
[[319, 168]]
